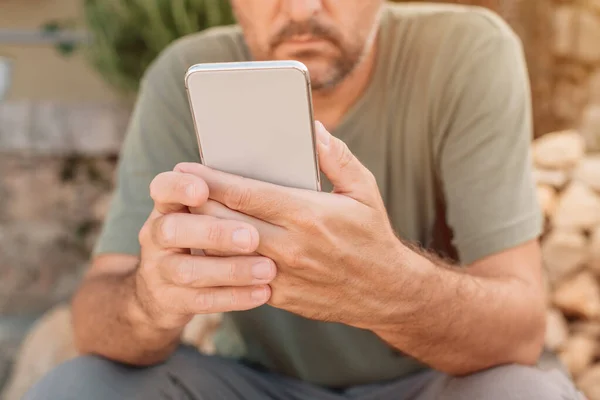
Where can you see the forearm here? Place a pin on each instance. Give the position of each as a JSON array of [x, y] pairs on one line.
[[108, 321], [458, 321]]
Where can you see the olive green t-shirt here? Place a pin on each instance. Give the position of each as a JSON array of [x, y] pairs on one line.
[[449, 102]]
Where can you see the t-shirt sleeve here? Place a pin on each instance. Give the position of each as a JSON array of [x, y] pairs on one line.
[[160, 135], [483, 151]]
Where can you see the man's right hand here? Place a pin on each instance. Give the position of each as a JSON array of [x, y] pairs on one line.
[[172, 285]]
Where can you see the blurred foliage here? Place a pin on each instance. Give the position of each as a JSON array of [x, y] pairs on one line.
[[127, 35], [66, 48]]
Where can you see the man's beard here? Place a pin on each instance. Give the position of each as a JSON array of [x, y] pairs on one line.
[[340, 67]]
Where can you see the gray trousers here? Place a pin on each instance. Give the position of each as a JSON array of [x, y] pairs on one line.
[[191, 376]]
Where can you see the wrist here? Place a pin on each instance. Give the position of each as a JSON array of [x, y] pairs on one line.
[[399, 289], [149, 319]]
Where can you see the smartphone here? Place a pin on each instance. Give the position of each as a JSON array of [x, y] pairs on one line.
[[255, 119]]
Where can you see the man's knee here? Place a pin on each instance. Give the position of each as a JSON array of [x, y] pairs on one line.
[[85, 377], [513, 382]]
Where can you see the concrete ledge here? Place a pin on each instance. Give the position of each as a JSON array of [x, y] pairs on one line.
[[47, 128]]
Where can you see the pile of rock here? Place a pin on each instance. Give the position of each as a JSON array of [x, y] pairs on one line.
[[568, 183]]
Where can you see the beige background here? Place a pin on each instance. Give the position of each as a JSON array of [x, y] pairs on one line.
[[39, 71]]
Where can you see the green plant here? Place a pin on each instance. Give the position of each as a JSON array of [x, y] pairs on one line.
[[64, 47], [127, 35]]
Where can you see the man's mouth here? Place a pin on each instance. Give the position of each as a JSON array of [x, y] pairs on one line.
[[304, 39]]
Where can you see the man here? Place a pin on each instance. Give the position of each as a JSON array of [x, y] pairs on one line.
[[341, 293]]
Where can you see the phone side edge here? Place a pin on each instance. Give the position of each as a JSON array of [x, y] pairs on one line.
[[312, 128], [196, 131]]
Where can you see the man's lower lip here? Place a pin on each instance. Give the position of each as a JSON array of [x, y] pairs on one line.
[[303, 42]]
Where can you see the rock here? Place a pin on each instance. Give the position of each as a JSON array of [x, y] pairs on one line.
[[563, 252], [594, 85], [558, 150], [61, 201], [35, 258], [590, 127], [49, 133], [576, 33], [106, 170], [578, 354], [588, 171], [101, 206], [579, 296], [12, 331], [547, 198], [557, 331], [38, 354], [589, 328], [594, 251], [199, 332], [5, 366], [568, 101], [589, 383], [578, 208], [564, 30], [588, 30], [572, 71], [15, 126], [58, 129], [102, 137], [593, 5], [91, 237], [556, 178]]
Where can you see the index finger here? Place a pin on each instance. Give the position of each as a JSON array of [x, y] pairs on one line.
[[263, 200]]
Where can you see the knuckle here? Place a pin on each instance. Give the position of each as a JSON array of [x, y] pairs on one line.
[[147, 288], [205, 300], [184, 272], [307, 220], [145, 271], [236, 197], [293, 256], [165, 231], [233, 297], [144, 235], [216, 233], [370, 177], [345, 156], [234, 274], [280, 298]]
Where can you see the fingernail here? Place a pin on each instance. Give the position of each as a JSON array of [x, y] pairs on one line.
[[258, 294], [322, 133], [242, 238], [262, 270]]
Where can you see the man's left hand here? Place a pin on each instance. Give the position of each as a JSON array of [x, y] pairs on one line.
[[334, 251]]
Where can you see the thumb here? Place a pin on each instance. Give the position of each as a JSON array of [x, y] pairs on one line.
[[345, 172]]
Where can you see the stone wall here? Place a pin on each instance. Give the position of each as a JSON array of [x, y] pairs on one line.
[[576, 50], [568, 182], [56, 175]]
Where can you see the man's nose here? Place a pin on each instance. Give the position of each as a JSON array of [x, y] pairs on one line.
[[302, 10]]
